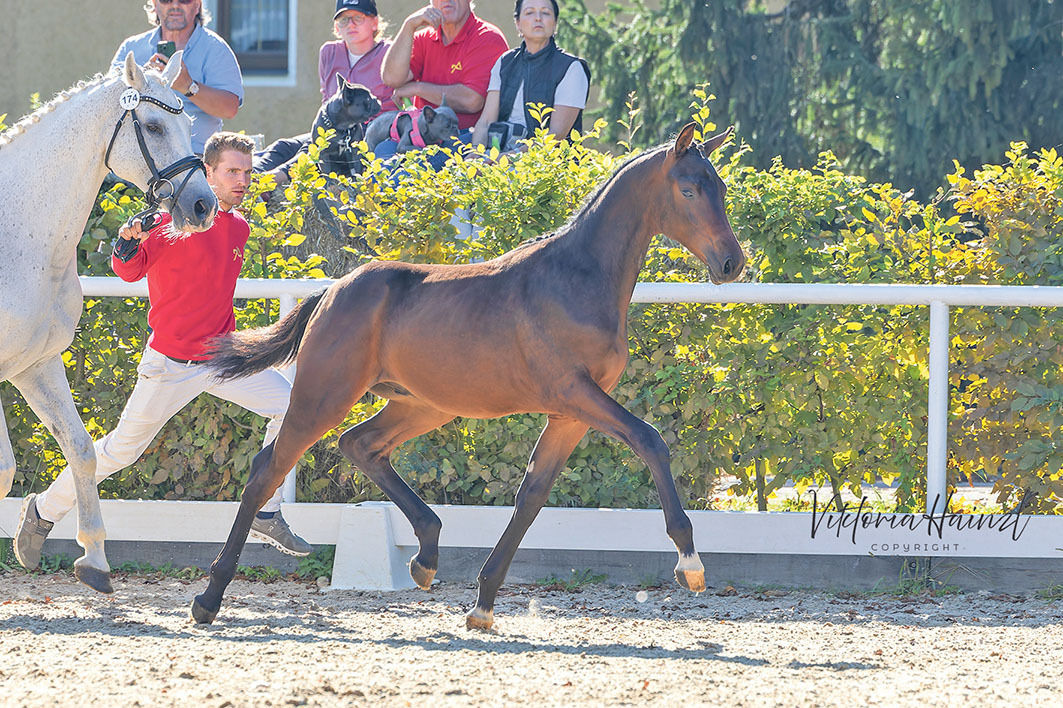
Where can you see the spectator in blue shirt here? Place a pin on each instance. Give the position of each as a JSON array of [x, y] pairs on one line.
[[210, 75]]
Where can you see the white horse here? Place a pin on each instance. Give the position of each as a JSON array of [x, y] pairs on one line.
[[51, 166]]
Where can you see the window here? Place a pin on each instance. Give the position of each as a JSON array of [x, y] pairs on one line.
[[261, 32]]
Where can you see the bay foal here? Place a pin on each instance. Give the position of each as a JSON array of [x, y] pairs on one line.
[[541, 329]]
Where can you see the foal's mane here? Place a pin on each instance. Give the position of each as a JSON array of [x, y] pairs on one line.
[[62, 97], [590, 203]]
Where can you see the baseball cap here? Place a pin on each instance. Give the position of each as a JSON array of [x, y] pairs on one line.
[[366, 7]]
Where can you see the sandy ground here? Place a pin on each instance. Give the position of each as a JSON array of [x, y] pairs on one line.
[[287, 643]]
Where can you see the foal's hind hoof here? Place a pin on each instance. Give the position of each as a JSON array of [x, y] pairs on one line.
[[479, 619], [421, 575], [200, 614], [98, 580], [690, 573]]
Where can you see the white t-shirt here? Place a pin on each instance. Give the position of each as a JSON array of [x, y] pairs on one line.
[[354, 57], [572, 91]]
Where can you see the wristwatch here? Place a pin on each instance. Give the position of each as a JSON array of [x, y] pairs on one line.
[[193, 89]]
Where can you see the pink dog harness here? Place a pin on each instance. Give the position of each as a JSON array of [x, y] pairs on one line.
[[415, 131]]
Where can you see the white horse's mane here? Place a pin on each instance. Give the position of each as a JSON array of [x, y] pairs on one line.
[[63, 96]]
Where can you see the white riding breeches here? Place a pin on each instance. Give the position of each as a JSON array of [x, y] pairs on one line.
[[162, 389]]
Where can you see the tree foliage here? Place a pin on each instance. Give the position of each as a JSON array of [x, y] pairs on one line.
[[896, 89]]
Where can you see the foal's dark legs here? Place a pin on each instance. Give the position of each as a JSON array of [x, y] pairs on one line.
[[555, 444], [369, 445], [330, 401], [593, 406], [587, 405], [259, 489]]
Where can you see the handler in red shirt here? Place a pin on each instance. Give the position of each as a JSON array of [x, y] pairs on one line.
[[190, 303], [444, 51], [191, 281]]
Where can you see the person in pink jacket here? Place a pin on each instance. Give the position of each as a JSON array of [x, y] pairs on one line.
[[357, 53]]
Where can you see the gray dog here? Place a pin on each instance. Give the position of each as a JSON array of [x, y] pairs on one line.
[[435, 125]]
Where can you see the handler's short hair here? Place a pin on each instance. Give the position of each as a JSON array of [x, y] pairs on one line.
[[226, 140]]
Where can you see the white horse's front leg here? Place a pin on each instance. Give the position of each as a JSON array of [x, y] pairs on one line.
[[7, 457], [45, 388]]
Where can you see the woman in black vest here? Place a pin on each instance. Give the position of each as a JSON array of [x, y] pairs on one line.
[[535, 72]]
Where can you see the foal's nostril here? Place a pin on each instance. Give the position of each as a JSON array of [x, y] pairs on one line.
[[728, 266], [201, 208]]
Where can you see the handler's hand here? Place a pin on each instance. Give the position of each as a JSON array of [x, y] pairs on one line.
[[133, 230], [410, 89]]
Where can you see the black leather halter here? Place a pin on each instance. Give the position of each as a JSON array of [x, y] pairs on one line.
[[160, 179]]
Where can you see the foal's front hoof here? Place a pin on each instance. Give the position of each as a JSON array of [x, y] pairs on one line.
[[479, 619], [421, 575], [200, 614], [690, 573], [98, 580]]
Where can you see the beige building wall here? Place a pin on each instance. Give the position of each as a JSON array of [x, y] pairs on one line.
[[48, 45]]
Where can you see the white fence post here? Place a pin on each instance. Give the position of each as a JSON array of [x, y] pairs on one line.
[[937, 409], [367, 555], [287, 304]]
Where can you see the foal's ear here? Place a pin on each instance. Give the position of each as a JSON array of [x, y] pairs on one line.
[[716, 141], [341, 83], [132, 74], [684, 139]]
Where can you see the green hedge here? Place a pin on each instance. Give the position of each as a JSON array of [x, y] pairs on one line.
[[813, 394]]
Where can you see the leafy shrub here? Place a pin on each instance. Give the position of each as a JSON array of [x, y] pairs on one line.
[[1007, 393]]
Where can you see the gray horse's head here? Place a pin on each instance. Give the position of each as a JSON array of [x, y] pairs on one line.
[[167, 139]]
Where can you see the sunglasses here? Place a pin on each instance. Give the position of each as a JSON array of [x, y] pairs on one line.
[[356, 20], [170, 2]]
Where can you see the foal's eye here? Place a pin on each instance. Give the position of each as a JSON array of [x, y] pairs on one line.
[[688, 193], [154, 128]]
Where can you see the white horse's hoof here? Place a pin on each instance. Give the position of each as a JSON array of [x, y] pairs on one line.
[[98, 580]]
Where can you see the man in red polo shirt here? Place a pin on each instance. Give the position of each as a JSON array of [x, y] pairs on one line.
[[444, 51]]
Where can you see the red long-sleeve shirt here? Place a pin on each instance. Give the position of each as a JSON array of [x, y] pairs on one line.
[[191, 280]]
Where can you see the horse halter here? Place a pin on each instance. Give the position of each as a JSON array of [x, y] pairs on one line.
[[160, 179]]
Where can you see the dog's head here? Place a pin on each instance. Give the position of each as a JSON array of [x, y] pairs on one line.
[[347, 113], [437, 124], [351, 104]]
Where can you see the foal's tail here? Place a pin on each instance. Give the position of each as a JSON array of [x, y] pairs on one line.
[[249, 351]]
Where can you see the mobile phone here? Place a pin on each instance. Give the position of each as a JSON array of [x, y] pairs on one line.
[[166, 49]]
